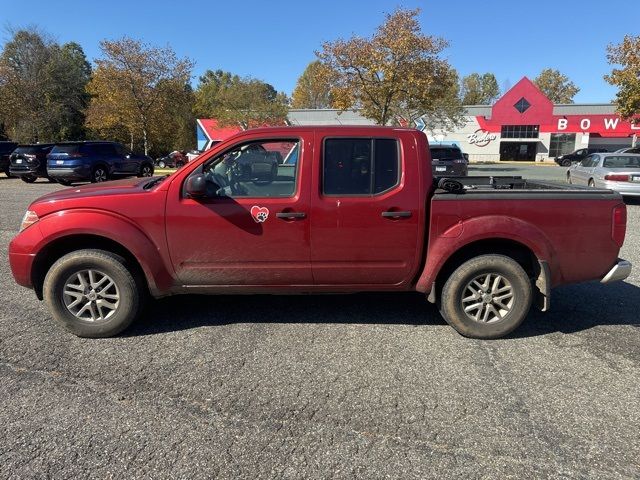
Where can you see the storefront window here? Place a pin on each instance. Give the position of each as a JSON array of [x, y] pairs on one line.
[[520, 131], [561, 143]]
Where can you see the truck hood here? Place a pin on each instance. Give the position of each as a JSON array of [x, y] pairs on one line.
[[117, 187], [104, 196]]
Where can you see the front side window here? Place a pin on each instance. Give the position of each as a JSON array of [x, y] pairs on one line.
[[255, 169], [360, 166]]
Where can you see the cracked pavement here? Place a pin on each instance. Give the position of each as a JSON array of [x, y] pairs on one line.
[[362, 386]]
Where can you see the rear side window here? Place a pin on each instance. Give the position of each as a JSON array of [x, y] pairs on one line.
[[103, 149], [360, 166]]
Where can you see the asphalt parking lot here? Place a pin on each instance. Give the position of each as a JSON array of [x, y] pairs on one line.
[[367, 386]]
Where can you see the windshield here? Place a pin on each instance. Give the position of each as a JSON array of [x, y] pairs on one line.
[[622, 161]]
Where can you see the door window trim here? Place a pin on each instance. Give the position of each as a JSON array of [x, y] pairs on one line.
[[372, 180], [209, 161]]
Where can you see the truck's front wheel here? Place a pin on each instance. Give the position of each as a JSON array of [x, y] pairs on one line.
[[486, 297], [92, 293]]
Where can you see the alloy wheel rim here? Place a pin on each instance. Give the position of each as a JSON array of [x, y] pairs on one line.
[[91, 295], [487, 298], [146, 172], [100, 175]]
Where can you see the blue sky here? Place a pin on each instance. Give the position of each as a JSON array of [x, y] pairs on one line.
[[274, 40]]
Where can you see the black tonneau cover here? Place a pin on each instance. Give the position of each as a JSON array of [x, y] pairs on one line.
[[500, 187]]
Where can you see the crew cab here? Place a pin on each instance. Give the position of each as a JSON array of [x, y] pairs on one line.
[[359, 210]]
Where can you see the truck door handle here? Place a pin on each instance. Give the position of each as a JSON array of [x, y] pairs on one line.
[[394, 214], [291, 215]]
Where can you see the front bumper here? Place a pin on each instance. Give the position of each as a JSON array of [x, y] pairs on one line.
[[620, 271]]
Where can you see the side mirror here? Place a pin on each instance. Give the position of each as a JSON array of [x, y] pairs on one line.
[[196, 186]]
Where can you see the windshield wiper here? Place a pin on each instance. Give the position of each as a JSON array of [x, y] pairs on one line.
[[154, 182]]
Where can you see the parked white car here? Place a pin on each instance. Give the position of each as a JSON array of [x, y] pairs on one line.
[[614, 171]]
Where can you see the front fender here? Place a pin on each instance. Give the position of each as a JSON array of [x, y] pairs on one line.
[[149, 253], [457, 234]]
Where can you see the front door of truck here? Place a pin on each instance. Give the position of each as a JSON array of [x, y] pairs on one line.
[[253, 228], [365, 212]]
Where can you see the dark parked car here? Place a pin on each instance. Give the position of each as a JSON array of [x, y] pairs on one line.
[[635, 150], [175, 159], [5, 151], [30, 161], [567, 159], [96, 162], [448, 161]]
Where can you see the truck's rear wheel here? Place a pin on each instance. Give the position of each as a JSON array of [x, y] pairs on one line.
[[92, 293], [486, 297]]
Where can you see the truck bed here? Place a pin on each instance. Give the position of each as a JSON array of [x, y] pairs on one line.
[[516, 187]]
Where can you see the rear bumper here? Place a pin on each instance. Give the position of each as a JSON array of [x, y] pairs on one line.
[[458, 170], [27, 169], [620, 271], [70, 173], [624, 188]]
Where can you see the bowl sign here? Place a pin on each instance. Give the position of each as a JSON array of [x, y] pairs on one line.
[[480, 138]]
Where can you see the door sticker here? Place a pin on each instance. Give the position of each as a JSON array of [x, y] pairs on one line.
[[259, 214]]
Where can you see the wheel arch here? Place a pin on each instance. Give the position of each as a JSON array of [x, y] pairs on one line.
[[61, 234], [61, 246], [536, 267]]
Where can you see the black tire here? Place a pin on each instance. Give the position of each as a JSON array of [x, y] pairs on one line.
[[63, 182], [507, 319], [566, 163], [179, 164], [28, 178], [146, 170], [8, 173], [99, 174], [51, 180], [130, 292]]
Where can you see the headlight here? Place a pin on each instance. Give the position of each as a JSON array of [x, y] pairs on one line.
[[29, 219]]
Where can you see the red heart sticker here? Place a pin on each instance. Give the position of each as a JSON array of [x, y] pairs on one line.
[[259, 214]]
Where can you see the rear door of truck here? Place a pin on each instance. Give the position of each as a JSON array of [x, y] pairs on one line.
[[366, 209]]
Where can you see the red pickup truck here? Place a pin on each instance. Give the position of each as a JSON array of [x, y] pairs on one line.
[[317, 209]]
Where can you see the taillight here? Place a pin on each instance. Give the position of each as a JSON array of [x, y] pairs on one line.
[[619, 224], [617, 178]]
